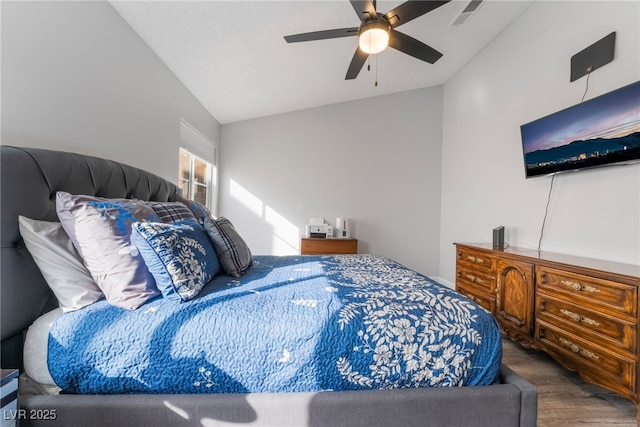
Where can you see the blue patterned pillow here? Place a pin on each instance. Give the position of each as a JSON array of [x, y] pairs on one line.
[[179, 256]]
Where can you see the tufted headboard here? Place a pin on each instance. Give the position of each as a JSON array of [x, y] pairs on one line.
[[29, 181]]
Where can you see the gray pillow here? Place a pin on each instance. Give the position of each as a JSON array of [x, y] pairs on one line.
[[233, 253], [60, 264], [170, 212], [199, 210], [100, 229]]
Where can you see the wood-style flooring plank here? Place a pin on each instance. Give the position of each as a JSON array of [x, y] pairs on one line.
[[565, 399]]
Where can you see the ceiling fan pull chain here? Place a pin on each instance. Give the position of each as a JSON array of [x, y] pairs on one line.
[[376, 71]]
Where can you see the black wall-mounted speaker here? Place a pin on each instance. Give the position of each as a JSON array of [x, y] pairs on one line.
[[593, 57], [498, 237]]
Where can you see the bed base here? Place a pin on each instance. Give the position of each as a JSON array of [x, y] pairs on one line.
[[511, 403], [29, 181]]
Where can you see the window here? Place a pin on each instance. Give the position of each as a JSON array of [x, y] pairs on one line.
[[195, 178], [197, 173]]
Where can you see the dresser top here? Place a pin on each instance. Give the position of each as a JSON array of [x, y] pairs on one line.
[[591, 263]]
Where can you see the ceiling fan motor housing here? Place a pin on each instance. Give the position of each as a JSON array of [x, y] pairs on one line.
[[378, 22]]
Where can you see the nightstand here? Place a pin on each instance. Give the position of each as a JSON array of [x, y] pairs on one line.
[[320, 246], [9, 391]]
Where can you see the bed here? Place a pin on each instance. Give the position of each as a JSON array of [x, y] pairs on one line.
[[372, 386]]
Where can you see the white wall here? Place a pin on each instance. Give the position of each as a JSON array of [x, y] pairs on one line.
[[76, 77], [376, 161], [521, 76]]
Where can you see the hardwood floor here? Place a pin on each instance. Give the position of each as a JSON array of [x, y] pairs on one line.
[[564, 399]]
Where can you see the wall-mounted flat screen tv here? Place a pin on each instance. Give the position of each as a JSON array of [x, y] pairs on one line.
[[598, 132]]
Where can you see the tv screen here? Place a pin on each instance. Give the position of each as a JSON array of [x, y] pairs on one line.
[[601, 131]]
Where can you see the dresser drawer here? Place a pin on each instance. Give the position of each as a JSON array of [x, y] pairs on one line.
[[577, 287], [586, 323], [608, 369], [467, 275], [318, 246], [479, 260], [484, 300]]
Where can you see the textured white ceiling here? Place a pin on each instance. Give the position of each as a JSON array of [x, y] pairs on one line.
[[232, 55]]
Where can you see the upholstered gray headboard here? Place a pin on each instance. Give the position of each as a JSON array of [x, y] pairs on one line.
[[29, 181]]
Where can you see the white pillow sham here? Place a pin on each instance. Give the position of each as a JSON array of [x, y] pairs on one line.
[[59, 262]]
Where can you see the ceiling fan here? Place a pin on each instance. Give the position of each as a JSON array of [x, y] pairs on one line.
[[377, 31]]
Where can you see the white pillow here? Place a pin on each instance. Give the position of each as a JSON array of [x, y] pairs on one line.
[[59, 263]]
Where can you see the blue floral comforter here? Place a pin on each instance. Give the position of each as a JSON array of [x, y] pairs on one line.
[[293, 323]]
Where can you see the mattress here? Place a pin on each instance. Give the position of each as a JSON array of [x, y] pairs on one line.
[[36, 348], [290, 324]]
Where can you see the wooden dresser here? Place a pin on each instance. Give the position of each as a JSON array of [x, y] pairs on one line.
[[320, 246], [583, 312]]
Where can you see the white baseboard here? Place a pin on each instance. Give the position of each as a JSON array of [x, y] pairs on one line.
[[444, 282]]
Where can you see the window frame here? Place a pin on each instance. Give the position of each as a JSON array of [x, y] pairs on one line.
[[192, 181], [193, 148]]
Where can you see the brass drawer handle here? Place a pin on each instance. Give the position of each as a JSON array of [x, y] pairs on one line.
[[475, 299], [579, 286], [473, 278], [474, 259], [578, 318], [571, 315], [577, 349], [571, 346]]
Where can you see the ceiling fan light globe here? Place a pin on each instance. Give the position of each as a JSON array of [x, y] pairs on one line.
[[373, 40]]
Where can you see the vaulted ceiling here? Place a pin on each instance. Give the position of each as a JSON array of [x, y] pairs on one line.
[[232, 55]]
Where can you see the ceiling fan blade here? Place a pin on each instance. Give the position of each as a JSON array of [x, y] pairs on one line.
[[413, 47], [410, 10], [358, 60], [364, 8], [322, 35]]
